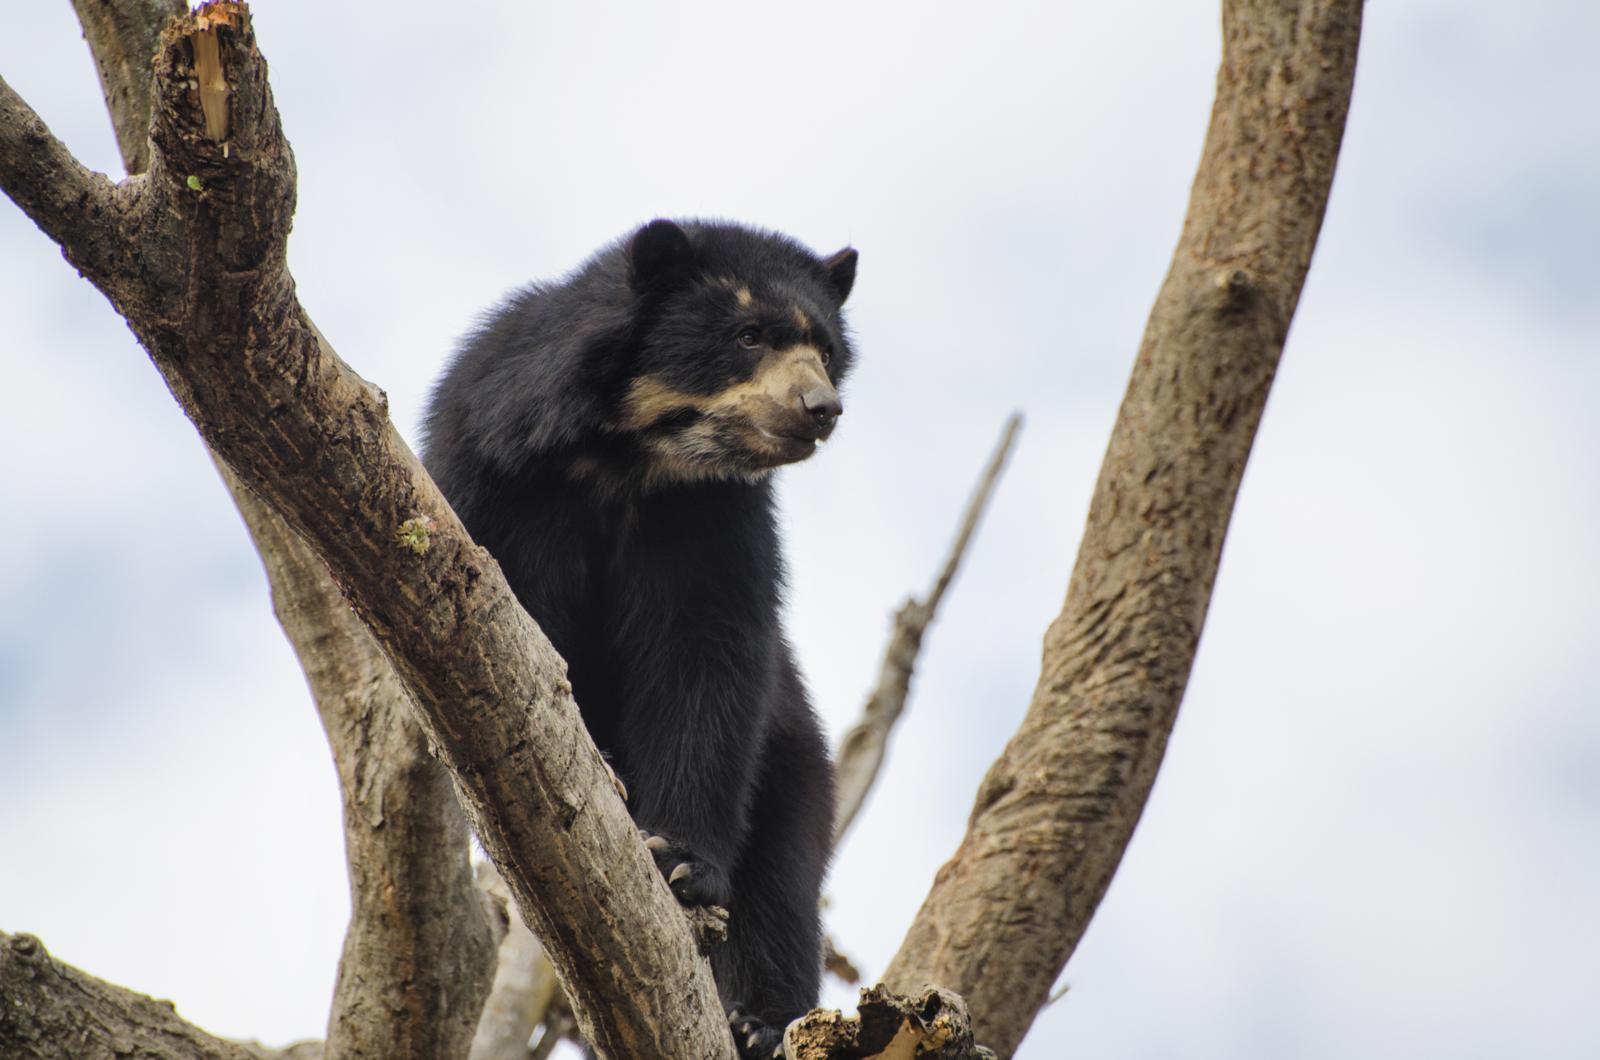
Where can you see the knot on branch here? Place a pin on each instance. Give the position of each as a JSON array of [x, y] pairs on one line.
[[930, 1025], [1237, 294], [23, 949]]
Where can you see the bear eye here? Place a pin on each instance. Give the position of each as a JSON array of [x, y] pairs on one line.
[[750, 338], [827, 354]]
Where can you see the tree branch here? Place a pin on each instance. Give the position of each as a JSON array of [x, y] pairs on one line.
[[76, 207], [525, 986], [52, 1011], [419, 950], [195, 262], [1055, 812], [122, 36], [419, 954], [861, 751]]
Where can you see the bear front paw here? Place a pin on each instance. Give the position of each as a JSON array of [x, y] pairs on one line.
[[693, 880], [755, 1039]]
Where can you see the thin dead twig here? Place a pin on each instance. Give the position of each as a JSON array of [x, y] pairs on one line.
[[860, 754]]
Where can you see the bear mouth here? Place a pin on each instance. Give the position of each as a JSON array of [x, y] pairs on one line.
[[787, 448]]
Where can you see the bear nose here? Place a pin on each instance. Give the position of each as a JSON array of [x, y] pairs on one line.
[[821, 402]]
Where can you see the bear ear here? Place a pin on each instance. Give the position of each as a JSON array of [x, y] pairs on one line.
[[658, 254], [842, 272]]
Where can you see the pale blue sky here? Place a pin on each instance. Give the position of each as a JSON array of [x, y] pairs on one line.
[[1376, 831]]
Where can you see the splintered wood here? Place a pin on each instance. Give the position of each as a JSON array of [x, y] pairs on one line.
[[933, 1024], [209, 20]]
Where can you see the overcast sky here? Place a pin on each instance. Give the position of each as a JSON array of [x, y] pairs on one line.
[[1377, 830]]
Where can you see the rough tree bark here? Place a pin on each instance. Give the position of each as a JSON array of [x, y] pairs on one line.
[[192, 255], [52, 1011], [1056, 810], [931, 1025], [122, 36], [419, 952]]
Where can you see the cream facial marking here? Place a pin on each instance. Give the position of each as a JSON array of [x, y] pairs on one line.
[[696, 454], [775, 388], [649, 399]]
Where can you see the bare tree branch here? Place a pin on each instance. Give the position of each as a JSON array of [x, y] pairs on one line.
[[122, 36], [837, 964], [70, 203], [52, 1011], [1057, 809], [525, 986], [419, 953], [192, 255], [861, 751], [419, 950]]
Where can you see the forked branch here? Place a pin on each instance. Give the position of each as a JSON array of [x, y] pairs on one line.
[[408, 986], [192, 255]]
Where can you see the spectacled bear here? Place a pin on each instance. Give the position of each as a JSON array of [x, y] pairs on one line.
[[610, 440]]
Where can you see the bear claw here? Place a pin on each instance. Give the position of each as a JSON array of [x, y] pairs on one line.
[[693, 880], [755, 1039]]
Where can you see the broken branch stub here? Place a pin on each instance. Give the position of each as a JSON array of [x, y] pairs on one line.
[[930, 1025], [192, 254]]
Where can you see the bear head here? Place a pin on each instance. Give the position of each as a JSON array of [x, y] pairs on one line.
[[739, 350]]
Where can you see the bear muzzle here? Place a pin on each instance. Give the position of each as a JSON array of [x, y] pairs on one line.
[[792, 429]]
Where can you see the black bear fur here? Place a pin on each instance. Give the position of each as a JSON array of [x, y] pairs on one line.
[[608, 439]]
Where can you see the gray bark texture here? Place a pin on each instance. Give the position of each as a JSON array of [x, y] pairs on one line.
[[1057, 809], [122, 36], [419, 951], [191, 253], [52, 1011]]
